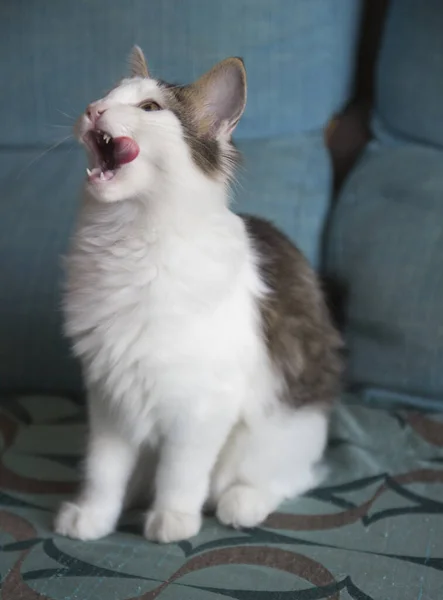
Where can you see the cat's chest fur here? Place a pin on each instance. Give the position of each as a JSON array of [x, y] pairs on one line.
[[147, 302]]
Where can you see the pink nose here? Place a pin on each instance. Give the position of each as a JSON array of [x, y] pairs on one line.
[[94, 111]]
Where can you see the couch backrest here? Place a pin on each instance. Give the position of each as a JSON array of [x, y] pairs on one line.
[[409, 102], [58, 56], [386, 242]]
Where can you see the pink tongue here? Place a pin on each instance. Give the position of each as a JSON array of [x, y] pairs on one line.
[[125, 150]]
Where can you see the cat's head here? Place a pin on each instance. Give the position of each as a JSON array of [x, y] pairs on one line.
[[145, 131]]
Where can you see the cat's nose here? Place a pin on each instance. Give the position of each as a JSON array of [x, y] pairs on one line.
[[94, 111]]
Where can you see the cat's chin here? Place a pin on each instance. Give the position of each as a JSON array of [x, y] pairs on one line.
[[130, 181], [99, 175], [106, 187], [107, 184]]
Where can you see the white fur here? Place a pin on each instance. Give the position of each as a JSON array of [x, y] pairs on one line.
[[162, 307]]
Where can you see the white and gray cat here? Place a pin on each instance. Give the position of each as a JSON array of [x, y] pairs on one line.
[[208, 355]]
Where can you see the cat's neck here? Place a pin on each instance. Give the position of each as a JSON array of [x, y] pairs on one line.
[[175, 206]]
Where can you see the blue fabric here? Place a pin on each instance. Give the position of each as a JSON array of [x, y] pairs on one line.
[[299, 55], [410, 74], [386, 246], [285, 179], [288, 180], [386, 237], [37, 211]]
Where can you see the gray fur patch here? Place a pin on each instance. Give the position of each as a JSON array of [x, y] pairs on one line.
[[208, 154], [302, 342]]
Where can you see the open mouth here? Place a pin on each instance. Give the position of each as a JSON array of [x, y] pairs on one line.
[[109, 153]]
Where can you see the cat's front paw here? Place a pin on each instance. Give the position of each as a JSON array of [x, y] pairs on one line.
[[82, 522], [166, 526], [243, 506]]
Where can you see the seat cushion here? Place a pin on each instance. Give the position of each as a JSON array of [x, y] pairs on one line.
[[299, 56], [285, 179], [371, 531], [386, 248]]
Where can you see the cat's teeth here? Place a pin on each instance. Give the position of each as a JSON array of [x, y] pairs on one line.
[[102, 176], [89, 172], [107, 138]]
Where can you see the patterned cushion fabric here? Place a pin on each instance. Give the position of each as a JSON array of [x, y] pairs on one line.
[[372, 531]]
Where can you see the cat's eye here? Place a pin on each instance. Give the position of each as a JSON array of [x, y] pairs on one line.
[[150, 106]]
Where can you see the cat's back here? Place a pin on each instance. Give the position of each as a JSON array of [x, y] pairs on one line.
[[301, 338]]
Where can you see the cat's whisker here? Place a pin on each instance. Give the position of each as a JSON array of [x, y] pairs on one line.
[[72, 110], [68, 116], [236, 185], [58, 125], [44, 153]]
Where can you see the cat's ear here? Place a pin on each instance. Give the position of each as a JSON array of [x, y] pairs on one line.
[[220, 96], [137, 62]]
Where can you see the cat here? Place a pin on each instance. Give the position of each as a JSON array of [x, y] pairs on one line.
[[209, 358]]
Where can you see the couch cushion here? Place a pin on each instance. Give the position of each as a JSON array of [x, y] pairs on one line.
[[286, 179], [37, 211], [61, 55], [409, 79], [372, 531], [386, 246]]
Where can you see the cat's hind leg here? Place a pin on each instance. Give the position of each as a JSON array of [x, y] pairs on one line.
[[267, 460]]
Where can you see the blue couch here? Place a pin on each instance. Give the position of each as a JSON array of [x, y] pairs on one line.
[[373, 530]]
